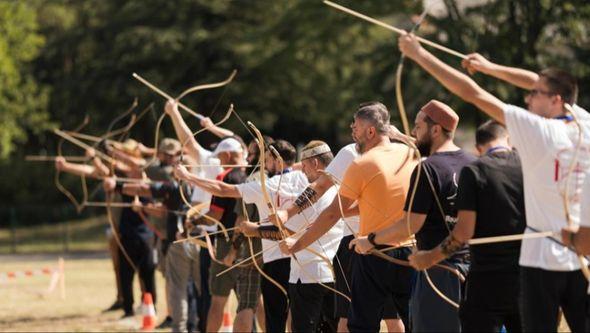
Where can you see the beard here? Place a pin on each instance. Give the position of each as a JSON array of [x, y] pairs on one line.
[[424, 146]]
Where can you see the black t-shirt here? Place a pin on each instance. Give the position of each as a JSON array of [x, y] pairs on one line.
[[492, 187], [227, 205], [169, 194], [130, 223], [443, 169]]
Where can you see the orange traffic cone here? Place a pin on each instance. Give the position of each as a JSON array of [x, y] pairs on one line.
[[227, 323], [149, 313]]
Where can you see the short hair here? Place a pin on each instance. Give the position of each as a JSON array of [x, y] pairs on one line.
[[267, 140], [286, 150], [430, 122], [489, 131], [324, 158], [376, 113], [561, 83]]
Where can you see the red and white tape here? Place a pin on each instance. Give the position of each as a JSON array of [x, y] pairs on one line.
[[5, 276]]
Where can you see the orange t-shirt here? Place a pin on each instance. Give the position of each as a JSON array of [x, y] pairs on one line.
[[379, 180]]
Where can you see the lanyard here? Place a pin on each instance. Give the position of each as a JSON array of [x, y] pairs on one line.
[[567, 117], [496, 148]]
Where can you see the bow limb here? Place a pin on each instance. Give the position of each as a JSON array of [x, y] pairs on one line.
[[115, 231], [262, 273], [156, 138], [187, 140], [574, 162], [195, 209], [207, 86], [253, 255], [79, 205], [122, 116], [211, 249], [398, 79], [394, 29]]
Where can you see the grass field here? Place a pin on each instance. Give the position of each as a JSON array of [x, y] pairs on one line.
[[90, 282], [90, 288]]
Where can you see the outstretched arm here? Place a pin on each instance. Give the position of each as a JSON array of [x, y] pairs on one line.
[[458, 83], [309, 196], [326, 220], [519, 77], [460, 235], [215, 187], [396, 233]]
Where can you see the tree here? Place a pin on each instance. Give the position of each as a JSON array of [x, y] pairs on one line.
[[22, 100]]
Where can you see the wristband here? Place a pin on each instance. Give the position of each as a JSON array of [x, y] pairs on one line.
[[270, 232], [119, 186]]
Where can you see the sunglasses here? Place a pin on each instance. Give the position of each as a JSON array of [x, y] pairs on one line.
[[535, 92]]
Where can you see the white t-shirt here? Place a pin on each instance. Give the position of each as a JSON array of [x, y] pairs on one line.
[[337, 168], [585, 202], [546, 148], [311, 268], [292, 184], [210, 169]]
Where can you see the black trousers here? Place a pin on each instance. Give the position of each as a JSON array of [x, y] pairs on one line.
[[544, 292], [373, 281], [275, 302], [490, 302], [312, 305], [343, 263], [204, 299], [141, 254]]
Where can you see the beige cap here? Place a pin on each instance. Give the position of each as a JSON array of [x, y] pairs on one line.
[[169, 146]]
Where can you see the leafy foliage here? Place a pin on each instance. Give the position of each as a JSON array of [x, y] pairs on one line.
[[303, 67]]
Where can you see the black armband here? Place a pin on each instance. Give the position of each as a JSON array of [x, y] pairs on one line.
[[451, 245], [305, 199], [270, 232]]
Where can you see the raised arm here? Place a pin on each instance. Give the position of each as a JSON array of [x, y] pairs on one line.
[[455, 81], [220, 132], [519, 77], [183, 132]]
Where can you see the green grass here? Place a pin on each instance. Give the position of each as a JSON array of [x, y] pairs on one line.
[[85, 235]]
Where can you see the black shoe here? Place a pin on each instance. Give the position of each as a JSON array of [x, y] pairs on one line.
[[127, 315], [118, 305], [167, 323]]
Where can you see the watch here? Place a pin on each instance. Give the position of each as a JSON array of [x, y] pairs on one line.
[[371, 239]]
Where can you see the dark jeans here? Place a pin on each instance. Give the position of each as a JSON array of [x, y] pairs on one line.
[[275, 302], [312, 305], [429, 311], [374, 280], [490, 302], [544, 292], [140, 252]]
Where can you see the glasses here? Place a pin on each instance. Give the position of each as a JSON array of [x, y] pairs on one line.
[[535, 92]]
